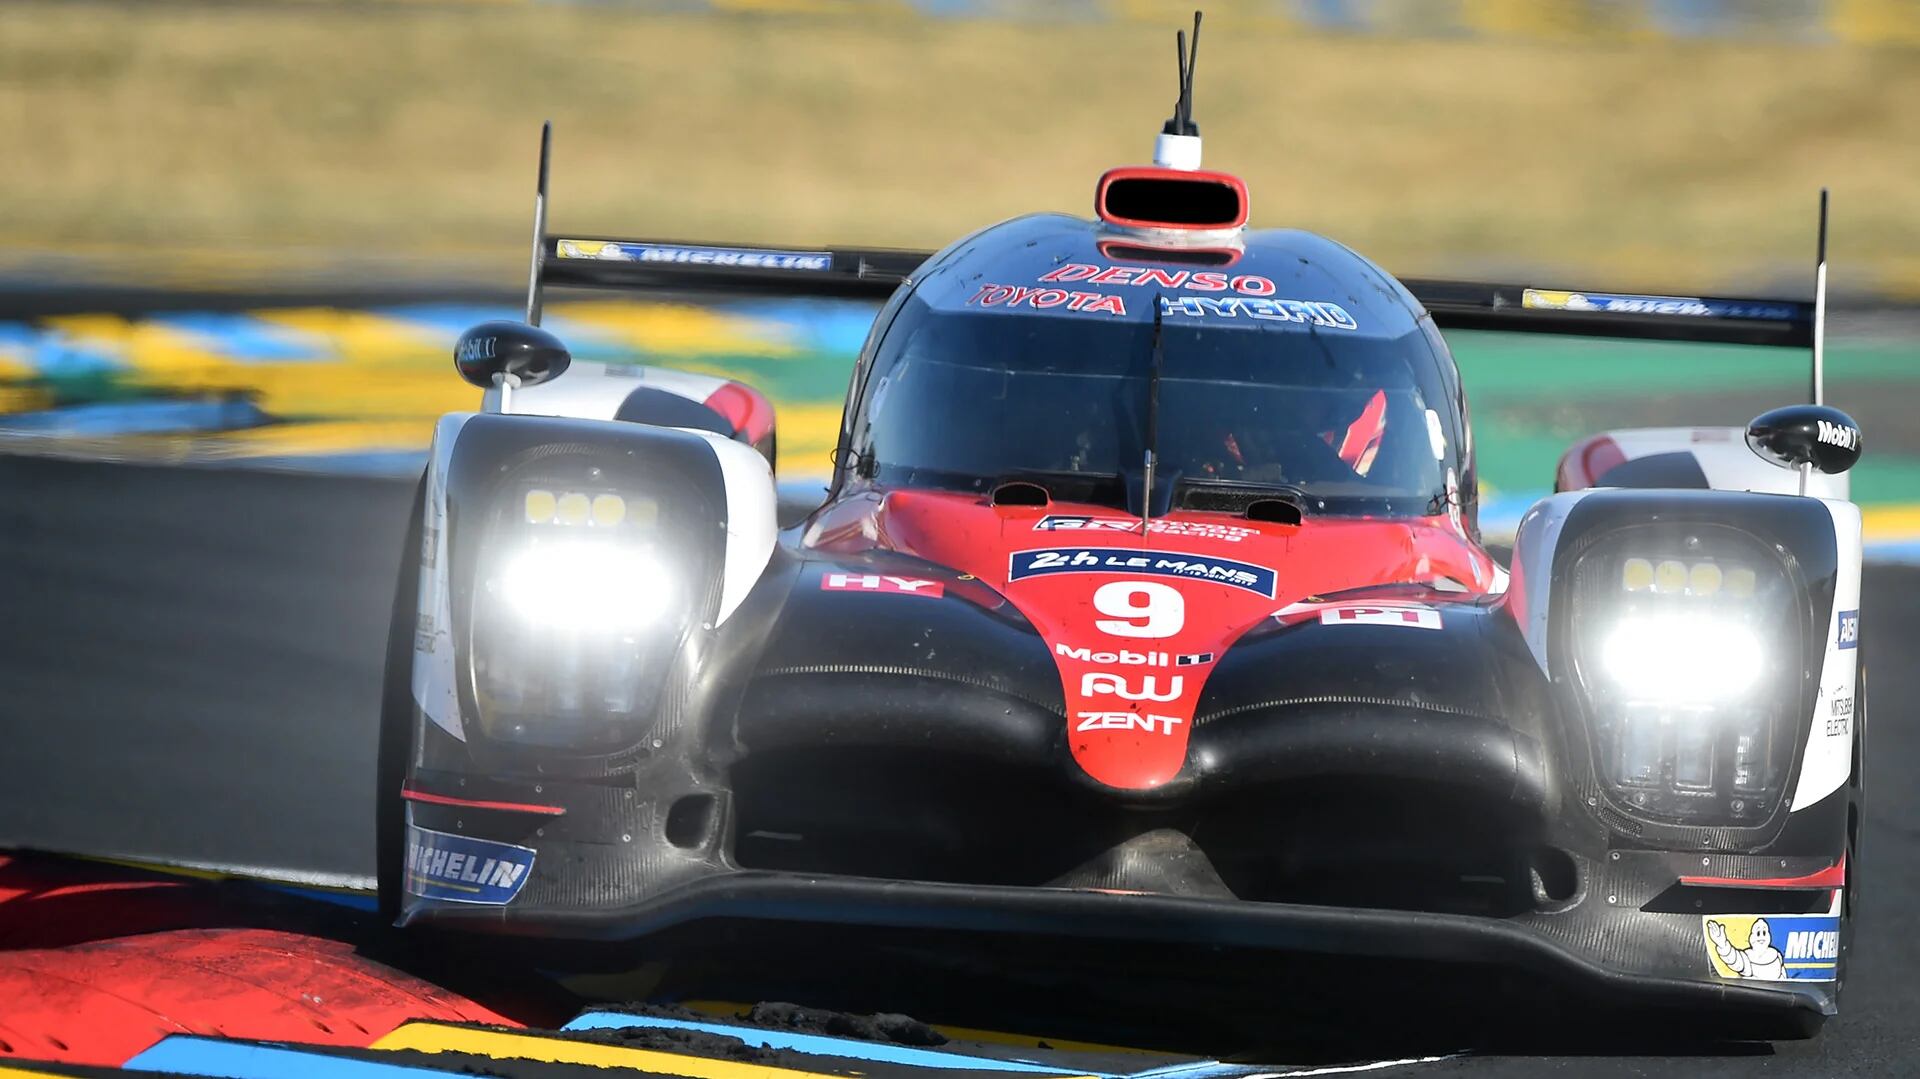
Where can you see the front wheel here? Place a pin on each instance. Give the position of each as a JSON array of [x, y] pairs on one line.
[[396, 720]]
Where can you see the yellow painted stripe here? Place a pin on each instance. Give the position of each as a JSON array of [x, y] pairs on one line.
[[169, 870], [365, 338], [334, 437], [151, 348], [683, 329], [1890, 522], [28, 1073], [808, 434], [24, 399], [435, 1038]]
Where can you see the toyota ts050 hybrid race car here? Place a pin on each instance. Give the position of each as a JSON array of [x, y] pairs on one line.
[[1147, 603]]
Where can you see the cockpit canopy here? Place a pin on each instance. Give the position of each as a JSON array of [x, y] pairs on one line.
[[1292, 368]]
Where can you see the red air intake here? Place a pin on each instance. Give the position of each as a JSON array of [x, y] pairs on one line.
[[1149, 197]]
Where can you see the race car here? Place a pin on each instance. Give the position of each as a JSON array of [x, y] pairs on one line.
[[1147, 602]]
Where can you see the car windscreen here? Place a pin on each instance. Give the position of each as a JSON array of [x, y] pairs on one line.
[[963, 400]]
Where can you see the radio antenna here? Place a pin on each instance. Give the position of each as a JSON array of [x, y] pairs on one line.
[[1184, 54], [1178, 146], [539, 227], [1158, 360], [1820, 308]]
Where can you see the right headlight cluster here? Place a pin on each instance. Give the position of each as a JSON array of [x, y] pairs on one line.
[[1687, 645], [582, 597]]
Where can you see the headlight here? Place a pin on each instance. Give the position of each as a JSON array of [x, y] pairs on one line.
[[582, 598], [586, 587], [1686, 643], [1682, 658]]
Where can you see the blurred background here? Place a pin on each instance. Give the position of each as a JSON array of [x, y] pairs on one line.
[[251, 229]]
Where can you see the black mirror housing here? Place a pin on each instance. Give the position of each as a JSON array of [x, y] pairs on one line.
[[1816, 435], [528, 353]]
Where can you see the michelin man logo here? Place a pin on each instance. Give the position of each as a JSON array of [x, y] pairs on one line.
[[1774, 948], [1759, 959]]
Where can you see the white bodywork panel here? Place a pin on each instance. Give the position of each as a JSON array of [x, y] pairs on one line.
[[1728, 464], [752, 525], [433, 669], [752, 531], [593, 391], [1531, 583], [1829, 759]]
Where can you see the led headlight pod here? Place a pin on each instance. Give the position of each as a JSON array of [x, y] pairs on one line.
[[583, 594], [1686, 645], [1682, 658], [586, 587]]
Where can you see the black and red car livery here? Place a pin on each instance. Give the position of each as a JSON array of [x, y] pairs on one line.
[[1147, 601]]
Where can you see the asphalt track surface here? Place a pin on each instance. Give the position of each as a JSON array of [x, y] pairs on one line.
[[189, 671]]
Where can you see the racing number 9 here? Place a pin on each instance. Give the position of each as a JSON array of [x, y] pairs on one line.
[[1140, 609]]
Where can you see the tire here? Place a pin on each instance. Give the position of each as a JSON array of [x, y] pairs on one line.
[[396, 721]]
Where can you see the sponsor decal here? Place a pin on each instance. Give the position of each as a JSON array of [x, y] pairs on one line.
[[474, 349], [1540, 299], [1257, 579], [746, 258], [1837, 434], [1044, 298], [1105, 683], [1849, 632], [1133, 659], [462, 869], [1773, 947], [1840, 716], [1126, 721], [1407, 615], [1154, 277], [1312, 312], [1122, 659], [880, 582], [423, 632], [1060, 522]]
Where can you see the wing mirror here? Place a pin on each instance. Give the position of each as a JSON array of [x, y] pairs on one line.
[[528, 354], [1816, 435]]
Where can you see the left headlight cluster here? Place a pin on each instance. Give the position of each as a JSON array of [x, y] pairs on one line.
[[583, 564], [1687, 646], [579, 606]]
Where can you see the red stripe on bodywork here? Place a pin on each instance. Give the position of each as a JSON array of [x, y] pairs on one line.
[[412, 795], [746, 408], [1834, 876], [1586, 461]]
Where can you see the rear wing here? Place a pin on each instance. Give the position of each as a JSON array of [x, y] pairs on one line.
[[572, 260]]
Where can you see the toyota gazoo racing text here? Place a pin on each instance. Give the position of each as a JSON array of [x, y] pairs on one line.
[[1147, 602]]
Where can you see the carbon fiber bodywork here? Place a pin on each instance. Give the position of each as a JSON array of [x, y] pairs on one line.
[[1005, 680], [901, 761]]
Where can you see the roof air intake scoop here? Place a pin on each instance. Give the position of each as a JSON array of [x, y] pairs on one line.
[[1174, 193]]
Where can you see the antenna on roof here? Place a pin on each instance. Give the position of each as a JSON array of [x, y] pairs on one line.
[[1178, 145], [1820, 308], [539, 227]]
